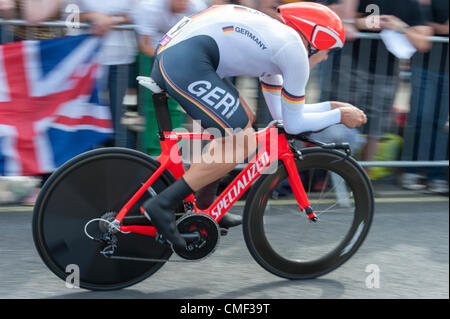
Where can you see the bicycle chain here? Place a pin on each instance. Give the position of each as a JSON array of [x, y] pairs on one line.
[[152, 260], [108, 252]]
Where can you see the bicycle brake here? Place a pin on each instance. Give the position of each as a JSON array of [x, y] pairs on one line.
[[297, 153], [341, 146]]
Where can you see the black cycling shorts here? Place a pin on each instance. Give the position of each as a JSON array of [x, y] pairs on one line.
[[187, 71]]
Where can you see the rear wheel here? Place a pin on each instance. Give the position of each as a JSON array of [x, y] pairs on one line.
[[93, 185], [284, 241]]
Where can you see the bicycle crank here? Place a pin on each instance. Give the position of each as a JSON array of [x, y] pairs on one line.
[[202, 235]]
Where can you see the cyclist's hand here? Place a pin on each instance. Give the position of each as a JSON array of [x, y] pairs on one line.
[[352, 117], [337, 105]]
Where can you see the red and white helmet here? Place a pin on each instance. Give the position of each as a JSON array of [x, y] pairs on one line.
[[320, 25]]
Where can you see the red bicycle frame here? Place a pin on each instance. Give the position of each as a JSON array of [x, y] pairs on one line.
[[272, 146]]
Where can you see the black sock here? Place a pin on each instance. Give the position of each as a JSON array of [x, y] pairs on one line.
[[171, 197]]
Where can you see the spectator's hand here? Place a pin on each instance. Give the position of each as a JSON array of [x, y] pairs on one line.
[[6, 6], [102, 23], [350, 32], [393, 23], [439, 29], [352, 117]]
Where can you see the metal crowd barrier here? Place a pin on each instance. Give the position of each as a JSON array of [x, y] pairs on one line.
[[130, 27], [433, 61]]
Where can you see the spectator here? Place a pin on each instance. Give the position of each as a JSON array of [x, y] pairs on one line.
[[153, 19], [6, 9], [118, 51], [118, 56], [6, 12], [269, 6], [7, 192], [369, 80], [35, 11], [426, 137], [246, 3]]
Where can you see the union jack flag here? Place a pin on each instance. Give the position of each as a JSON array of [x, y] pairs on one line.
[[49, 105]]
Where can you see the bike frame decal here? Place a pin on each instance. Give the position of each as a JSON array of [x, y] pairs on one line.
[[272, 146], [239, 186]]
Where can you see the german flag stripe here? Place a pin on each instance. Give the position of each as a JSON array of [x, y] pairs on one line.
[[161, 49], [187, 97], [292, 98], [228, 29], [271, 87]]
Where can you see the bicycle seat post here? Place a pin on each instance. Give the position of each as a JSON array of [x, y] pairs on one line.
[[160, 102]]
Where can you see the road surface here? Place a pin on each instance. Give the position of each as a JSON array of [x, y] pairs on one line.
[[407, 248]]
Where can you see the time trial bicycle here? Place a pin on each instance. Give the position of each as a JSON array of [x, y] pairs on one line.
[[89, 212]]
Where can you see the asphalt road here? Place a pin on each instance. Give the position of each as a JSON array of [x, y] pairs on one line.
[[407, 248]]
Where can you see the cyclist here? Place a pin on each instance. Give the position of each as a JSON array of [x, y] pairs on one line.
[[195, 56]]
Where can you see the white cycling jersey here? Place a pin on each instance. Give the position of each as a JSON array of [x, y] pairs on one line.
[[251, 43]]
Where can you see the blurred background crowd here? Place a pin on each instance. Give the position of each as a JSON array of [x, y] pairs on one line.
[[405, 98]]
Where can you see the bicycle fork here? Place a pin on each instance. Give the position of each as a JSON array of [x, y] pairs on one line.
[[286, 154]]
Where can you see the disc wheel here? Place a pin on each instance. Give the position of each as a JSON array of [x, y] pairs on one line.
[[87, 187]]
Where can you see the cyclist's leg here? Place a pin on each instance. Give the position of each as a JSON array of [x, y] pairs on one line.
[[203, 171], [221, 157], [207, 194], [188, 73]]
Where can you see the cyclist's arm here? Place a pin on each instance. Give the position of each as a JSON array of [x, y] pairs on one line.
[[285, 95], [296, 120], [271, 86]]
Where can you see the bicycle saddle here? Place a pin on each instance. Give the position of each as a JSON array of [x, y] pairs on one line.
[[149, 83]]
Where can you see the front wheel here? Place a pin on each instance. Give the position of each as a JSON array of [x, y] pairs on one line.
[[284, 241]]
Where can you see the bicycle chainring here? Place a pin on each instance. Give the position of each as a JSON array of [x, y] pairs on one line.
[[209, 235]]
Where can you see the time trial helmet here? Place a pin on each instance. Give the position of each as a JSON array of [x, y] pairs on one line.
[[320, 25]]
